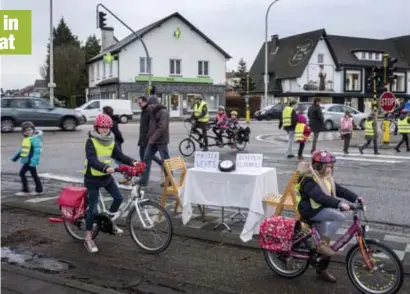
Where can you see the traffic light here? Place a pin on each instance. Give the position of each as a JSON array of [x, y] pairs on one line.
[[102, 19], [377, 80], [389, 69]]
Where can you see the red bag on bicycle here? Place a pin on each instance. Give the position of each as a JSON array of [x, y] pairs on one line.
[[276, 233], [72, 202]]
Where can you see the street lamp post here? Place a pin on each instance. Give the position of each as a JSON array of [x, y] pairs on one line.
[[266, 76]]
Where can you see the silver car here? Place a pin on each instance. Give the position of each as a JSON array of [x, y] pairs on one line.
[[332, 114], [15, 110]]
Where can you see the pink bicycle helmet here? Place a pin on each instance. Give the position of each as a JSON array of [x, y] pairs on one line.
[[320, 158], [103, 121]]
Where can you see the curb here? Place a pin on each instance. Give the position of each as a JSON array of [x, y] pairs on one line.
[[220, 237], [52, 279]]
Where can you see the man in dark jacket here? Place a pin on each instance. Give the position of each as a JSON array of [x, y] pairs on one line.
[[316, 121], [288, 121], [144, 127], [158, 135]]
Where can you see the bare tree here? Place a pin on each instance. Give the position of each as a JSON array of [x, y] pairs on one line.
[[69, 63], [43, 71]]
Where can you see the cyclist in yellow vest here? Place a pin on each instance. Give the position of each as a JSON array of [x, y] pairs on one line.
[[403, 124], [316, 193], [29, 155], [100, 149], [370, 133], [201, 116], [288, 121]]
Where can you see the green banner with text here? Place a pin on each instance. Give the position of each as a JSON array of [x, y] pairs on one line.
[[15, 32]]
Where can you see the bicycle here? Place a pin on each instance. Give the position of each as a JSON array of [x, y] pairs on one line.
[[304, 252], [136, 207], [195, 137]]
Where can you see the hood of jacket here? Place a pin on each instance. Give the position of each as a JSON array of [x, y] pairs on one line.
[[301, 119], [157, 107], [104, 140]]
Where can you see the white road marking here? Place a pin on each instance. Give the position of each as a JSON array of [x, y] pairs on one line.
[[362, 159], [372, 155], [41, 199], [260, 138]]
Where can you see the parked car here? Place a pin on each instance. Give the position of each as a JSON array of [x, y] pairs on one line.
[[334, 112], [269, 112], [92, 108], [16, 110]]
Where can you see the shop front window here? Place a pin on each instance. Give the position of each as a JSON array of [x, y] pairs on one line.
[[212, 101], [191, 101]]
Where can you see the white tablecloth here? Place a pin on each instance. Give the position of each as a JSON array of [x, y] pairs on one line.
[[231, 189]]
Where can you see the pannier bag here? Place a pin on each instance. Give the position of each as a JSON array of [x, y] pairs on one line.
[[276, 233], [243, 134], [72, 202]]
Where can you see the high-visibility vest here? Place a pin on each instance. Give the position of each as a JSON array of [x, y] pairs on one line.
[[104, 153], [403, 125], [198, 111], [287, 116], [313, 203], [300, 127], [25, 147], [368, 128]]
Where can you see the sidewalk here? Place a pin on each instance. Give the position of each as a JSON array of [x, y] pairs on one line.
[[19, 280]]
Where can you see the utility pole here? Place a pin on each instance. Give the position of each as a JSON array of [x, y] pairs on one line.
[[51, 84]]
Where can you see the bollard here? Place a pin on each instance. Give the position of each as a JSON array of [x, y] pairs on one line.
[[386, 131]]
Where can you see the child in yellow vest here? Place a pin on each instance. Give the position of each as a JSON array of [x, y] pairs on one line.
[[29, 155]]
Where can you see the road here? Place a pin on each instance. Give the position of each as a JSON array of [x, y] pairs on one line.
[[187, 266], [382, 180]]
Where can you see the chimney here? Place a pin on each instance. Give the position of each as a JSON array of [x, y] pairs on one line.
[[107, 38], [274, 40]]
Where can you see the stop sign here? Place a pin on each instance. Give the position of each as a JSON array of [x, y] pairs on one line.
[[387, 101]]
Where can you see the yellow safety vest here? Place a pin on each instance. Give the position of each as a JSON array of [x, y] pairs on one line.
[[313, 203], [300, 127], [198, 111], [104, 154], [25, 147], [368, 128], [287, 116], [403, 125]]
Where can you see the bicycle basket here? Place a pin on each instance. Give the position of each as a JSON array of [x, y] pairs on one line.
[[276, 233], [72, 202]]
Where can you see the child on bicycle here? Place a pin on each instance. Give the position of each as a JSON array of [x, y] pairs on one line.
[[221, 124], [29, 155], [100, 149], [317, 202], [233, 126]]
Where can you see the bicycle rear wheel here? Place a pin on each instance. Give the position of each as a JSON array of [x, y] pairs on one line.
[[385, 263], [157, 221]]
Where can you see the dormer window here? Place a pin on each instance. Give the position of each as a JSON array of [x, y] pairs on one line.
[[363, 55]]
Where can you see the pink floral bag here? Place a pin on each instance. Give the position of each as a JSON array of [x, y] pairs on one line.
[[276, 233]]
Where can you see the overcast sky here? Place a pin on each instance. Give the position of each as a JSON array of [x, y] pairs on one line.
[[235, 25]]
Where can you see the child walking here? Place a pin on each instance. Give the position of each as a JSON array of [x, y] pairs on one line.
[[29, 155], [346, 130], [302, 133]]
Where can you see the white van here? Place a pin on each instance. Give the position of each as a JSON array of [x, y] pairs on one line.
[[92, 108]]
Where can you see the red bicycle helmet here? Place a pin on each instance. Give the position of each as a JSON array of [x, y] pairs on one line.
[[103, 121], [323, 157]]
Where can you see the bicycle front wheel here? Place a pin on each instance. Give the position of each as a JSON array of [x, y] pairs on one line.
[[386, 275], [150, 227], [187, 147]]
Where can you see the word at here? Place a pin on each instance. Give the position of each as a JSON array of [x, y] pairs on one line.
[[206, 160], [249, 160], [9, 24]]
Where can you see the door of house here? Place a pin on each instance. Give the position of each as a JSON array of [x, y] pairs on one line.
[[175, 105]]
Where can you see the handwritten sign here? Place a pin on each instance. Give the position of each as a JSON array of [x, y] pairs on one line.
[[206, 160], [246, 161]]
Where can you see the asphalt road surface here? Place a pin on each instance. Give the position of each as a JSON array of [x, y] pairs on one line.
[[187, 266], [382, 180]]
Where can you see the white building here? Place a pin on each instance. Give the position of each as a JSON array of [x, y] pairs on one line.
[[184, 64], [336, 68]]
